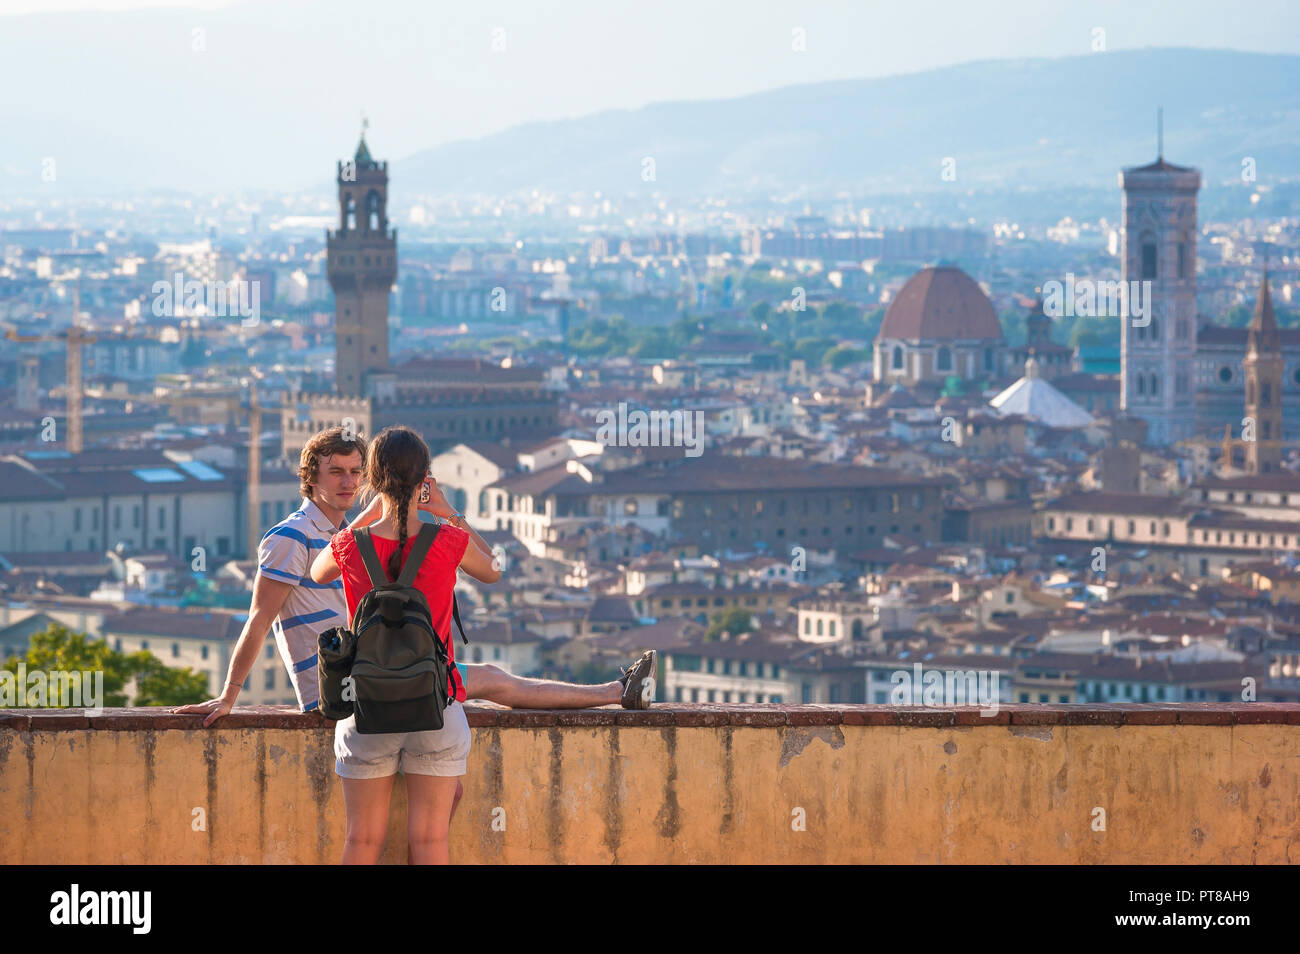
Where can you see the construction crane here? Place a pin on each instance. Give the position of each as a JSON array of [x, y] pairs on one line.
[[252, 517], [74, 339], [1230, 445], [254, 466], [1227, 445]]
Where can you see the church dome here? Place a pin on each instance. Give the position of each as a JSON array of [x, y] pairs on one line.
[[940, 303], [1031, 396]]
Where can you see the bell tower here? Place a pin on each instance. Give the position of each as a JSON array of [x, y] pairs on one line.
[[1263, 368], [1158, 350], [361, 264]]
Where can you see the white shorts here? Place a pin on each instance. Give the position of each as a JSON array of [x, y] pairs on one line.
[[434, 752]]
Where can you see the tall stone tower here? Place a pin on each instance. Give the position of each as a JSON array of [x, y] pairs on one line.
[[1262, 368], [361, 265], [1158, 360]]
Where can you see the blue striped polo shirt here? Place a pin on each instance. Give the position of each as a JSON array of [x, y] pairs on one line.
[[286, 554]]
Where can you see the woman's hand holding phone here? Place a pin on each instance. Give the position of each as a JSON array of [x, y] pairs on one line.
[[432, 500]]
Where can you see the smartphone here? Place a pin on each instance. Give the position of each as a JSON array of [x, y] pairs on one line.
[[424, 493]]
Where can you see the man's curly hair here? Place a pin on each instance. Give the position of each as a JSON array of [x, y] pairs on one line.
[[326, 443]]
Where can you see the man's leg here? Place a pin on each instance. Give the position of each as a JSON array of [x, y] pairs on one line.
[[634, 690], [518, 692]]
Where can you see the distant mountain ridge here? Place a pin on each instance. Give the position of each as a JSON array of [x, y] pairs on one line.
[[1037, 122], [167, 117]]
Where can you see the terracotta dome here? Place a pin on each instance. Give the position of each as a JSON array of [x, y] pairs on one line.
[[940, 303]]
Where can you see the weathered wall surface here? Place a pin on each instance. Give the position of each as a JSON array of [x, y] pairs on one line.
[[680, 784]]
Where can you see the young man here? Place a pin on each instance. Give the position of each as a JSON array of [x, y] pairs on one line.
[[288, 602]]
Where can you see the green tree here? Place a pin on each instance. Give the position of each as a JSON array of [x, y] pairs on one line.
[[653, 343], [160, 685], [812, 350], [733, 622], [58, 648], [841, 357], [842, 316], [1095, 332]]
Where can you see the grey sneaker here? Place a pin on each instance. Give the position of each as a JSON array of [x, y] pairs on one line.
[[638, 681]]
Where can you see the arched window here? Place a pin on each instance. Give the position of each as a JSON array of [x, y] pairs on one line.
[[1265, 394], [944, 360], [988, 359], [1142, 384], [898, 358], [372, 212], [1182, 259], [1155, 386], [350, 213], [1155, 329]]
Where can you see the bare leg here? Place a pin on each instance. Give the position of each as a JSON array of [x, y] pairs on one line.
[[460, 791], [367, 801], [428, 817], [517, 692]]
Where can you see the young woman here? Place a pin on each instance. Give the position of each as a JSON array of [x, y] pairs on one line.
[[432, 761]]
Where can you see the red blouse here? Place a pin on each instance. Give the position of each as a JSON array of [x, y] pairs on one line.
[[436, 578]]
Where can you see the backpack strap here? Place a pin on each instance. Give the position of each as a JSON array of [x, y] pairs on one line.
[[423, 541], [366, 547], [455, 614]]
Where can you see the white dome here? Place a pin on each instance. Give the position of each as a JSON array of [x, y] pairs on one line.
[[1034, 397]]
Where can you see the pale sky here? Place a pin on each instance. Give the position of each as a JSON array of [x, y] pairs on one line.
[[426, 72]]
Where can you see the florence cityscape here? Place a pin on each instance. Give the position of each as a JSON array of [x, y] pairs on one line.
[[853, 386]]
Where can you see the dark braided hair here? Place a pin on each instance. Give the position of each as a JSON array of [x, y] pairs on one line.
[[396, 465]]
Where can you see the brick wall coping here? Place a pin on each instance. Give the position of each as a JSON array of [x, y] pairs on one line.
[[698, 714]]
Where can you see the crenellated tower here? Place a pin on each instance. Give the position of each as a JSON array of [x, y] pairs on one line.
[[361, 266]]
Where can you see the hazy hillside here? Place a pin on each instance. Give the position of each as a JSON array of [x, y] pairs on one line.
[[159, 114], [1039, 122]]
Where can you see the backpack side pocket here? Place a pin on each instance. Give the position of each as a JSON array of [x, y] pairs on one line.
[[336, 650]]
